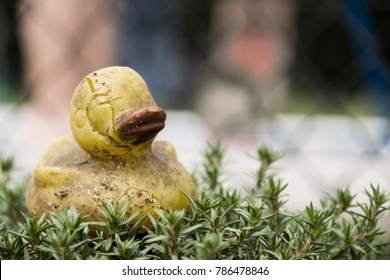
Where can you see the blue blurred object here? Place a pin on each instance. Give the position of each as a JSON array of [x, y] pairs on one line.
[[368, 49], [369, 53], [153, 46]]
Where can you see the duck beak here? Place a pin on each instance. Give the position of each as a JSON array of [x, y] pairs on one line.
[[140, 124]]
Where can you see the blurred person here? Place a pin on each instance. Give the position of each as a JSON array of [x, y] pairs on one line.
[[61, 42], [251, 51]]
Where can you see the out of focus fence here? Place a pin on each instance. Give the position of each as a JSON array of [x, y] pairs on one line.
[[339, 49]]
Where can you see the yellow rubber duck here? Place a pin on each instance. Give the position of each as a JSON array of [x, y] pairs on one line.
[[111, 156]]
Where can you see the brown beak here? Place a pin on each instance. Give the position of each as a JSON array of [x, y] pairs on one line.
[[141, 124]]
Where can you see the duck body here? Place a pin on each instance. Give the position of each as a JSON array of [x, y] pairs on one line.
[[111, 156], [156, 180]]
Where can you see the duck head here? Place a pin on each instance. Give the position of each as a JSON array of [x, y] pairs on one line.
[[113, 114]]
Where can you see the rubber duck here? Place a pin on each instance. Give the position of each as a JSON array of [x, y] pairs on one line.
[[112, 155]]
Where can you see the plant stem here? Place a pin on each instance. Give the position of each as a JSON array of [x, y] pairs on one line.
[[300, 254]]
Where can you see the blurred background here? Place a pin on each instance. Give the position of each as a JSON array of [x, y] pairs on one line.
[[309, 78]]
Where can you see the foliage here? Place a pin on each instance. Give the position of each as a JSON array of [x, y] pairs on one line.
[[221, 224]]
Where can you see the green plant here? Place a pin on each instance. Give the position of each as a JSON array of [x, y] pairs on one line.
[[221, 224]]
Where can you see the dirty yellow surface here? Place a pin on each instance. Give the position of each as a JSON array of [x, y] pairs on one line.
[[111, 155]]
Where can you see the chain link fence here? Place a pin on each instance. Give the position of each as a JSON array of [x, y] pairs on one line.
[[322, 46]]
